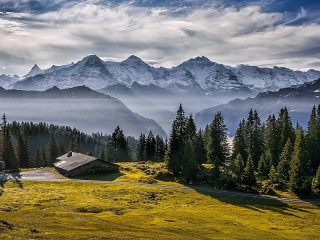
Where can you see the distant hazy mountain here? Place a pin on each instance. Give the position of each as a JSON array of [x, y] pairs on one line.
[[7, 81], [79, 107], [195, 76], [298, 99], [35, 70], [143, 99]]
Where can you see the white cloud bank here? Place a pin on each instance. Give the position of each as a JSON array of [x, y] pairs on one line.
[[226, 35]]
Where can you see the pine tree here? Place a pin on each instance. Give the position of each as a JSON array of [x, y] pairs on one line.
[[272, 137], [175, 154], [44, 158], [239, 142], [254, 136], [38, 159], [237, 167], [150, 147], [200, 149], [262, 166], [160, 149], [218, 151], [286, 130], [300, 165], [316, 182], [141, 149], [23, 153], [249, 177], [102, 154], [312, 140], [7, 151], [118, 146], [285, 159], [52, 151], [190, 167], [273, 174], [61, 150]]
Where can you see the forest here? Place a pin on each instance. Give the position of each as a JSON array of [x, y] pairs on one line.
[[273, 152]]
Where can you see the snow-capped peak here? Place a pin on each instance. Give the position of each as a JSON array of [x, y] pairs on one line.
[[35, 70], [134, 61]]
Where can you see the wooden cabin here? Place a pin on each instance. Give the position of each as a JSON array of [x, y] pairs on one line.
[[75, 164]]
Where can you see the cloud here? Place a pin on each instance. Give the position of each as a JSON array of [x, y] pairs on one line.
[[66, 32]]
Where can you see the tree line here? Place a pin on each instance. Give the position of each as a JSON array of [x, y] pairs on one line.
[[30, 145], [274, 151]]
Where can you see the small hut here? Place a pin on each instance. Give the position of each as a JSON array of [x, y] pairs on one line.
[[75, 164]]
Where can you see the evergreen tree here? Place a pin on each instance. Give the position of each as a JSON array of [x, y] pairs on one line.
[[316, 182], [249, 177], [44, 157], [160, 149], [7, 151], [61, 150], [285, 159], [38, 159], [23, 153], [141, 151], [272, 137], [286, 130], [175, 155], [254, 136], [102, 155], [150, 147], [273, 174], [118, 147], [218, 151], [239, 142], [312, 140], [262, 165], [52, 151], [300, 166], [200, 149], [237, 167]]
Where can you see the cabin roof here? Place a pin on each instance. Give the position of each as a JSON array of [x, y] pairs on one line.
[[73, 160]]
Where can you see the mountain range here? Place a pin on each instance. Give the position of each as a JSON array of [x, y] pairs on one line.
[[297, 99], [197, 76], [78, 107]]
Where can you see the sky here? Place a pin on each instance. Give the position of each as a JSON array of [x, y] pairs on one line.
[[162, 32]]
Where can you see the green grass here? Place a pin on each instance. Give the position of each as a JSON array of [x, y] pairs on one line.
[[71, 210]]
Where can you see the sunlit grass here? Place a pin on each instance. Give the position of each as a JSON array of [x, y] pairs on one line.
[[71, 210]]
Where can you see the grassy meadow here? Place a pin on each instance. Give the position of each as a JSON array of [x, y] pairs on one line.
[[86, 210]]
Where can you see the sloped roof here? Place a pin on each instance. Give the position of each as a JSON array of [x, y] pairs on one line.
[[68, 163]]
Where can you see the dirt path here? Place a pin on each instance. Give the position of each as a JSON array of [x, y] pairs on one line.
[[45, 175]]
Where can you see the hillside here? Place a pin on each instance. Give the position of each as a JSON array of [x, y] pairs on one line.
[[55, 210], [79, 107]]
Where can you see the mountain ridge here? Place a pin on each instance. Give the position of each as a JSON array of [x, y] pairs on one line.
[[198, 74]]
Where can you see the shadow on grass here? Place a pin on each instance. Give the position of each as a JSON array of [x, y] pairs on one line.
[[253, 202], [100, 176]]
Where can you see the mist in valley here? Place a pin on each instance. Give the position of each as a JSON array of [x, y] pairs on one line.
[[87, 115]]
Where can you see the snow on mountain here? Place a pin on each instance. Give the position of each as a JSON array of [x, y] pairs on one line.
[[7, 81], [35, 70], [90, 71], [201, 72], [272, 79], [198, 75]]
